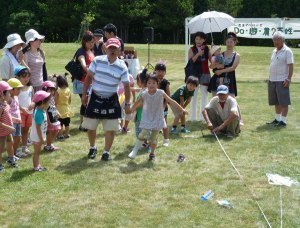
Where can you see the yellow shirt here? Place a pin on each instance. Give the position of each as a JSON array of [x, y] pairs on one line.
[[63, 104]]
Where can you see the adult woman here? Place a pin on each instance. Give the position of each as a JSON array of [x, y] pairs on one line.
[[34, 58], [85, 55], [232, 59], [9, 60], [200, 55]]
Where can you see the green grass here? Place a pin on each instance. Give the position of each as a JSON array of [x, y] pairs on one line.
[[77, 192]]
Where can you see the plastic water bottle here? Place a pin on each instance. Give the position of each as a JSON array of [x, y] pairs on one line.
[[207, 195]]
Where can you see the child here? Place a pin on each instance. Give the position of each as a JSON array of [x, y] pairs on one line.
[[13, 102], [125, 118], [39, 126], [62, 102], [6, 126], [152, 101], [53, 126], [141, 82], [26, 105], [183, 96], [218, 62], [160, 71]]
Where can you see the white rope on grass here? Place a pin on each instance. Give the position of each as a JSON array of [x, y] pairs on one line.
[[242, 179], [281, 210]]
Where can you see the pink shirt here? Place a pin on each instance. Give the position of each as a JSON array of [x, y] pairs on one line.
[[5, 118], [35, 62], [15, 108], [121, 85]]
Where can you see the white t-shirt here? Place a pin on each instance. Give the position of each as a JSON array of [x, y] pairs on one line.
[[25, 97], [279, 69], [40, 118], [230, 106]]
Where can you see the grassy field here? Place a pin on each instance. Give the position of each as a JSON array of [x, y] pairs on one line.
[[77, 192]]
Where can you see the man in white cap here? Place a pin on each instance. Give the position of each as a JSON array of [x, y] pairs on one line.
[[281, 72], [104, 74], [221, 113], [10, 56]]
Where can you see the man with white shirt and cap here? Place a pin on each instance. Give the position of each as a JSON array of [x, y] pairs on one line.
[[221, 113]]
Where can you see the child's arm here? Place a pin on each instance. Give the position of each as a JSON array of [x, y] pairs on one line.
[[174, 104], [186, 103], [181, 101], [39, 132], [5, 126], [56, 96], [132, 93], [16, 120], [137, 104]]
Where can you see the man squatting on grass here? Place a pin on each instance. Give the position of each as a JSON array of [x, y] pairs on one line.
[[281, 72], [104, 74], [221, 113]]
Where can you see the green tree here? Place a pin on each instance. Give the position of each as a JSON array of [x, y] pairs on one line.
[[231, 7]]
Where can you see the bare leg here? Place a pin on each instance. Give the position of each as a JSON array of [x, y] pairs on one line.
[[16, 143], [25, 131], [92, 137], [109, 139], [36, 154]]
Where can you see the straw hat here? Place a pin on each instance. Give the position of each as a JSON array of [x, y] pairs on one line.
[[13, 40], [31, 35], [214, 48]]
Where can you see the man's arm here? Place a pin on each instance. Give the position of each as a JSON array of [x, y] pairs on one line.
[[232, 116], [207, 120], [287, 81], [127, 97], [87, 82]]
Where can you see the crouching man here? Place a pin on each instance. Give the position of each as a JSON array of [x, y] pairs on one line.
[[221, 113]]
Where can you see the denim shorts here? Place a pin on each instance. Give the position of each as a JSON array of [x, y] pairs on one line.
[[17, 126], [77, 87]]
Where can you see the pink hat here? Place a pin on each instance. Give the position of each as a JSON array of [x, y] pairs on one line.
[[48, 84], [40, 96], [113, 42], [4, 86]]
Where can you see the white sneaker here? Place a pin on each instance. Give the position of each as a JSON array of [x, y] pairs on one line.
[[166, 142], [26, 151], [133, 153]]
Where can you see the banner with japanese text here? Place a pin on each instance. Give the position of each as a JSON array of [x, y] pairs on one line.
[[264, 28]]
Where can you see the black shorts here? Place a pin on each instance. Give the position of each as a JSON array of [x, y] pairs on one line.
[[65, 122]]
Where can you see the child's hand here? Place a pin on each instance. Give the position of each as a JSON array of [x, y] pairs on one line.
[[31, 106], [184, 112], [11, 129]]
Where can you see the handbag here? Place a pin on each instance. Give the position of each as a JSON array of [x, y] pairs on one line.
[[45, 73], [189, 69], [75, 69]]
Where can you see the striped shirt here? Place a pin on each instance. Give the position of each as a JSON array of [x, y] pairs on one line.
[[35, 62], [5, 118], [107, 75]]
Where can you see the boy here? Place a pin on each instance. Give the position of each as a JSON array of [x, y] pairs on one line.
[[183, 96]]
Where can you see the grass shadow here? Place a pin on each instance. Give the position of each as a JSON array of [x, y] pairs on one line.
[[132, 166], [268, 127], [79, 165], [19, 175]]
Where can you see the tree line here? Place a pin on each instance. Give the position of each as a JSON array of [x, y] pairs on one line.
[[65, 20]]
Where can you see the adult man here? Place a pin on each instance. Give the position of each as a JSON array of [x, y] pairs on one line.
[[221, 113], [281, 72], [105, 73], [98, 45], [110, 31]]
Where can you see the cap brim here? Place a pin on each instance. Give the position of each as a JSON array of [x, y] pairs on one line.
[[222, 92], [112, 45]]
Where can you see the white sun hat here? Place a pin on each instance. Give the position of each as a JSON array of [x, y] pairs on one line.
[[13, 40], [31, 35]]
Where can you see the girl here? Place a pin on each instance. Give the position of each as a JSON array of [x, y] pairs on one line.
[[53, 126], [13, 102], [84, 56], [160, 70], [62, 102], [39, 126], [26, 105], [152, 101], [34, 58], [6, 126], [199, 54]]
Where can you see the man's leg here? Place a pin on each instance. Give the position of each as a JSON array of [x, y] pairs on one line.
[[214, 118], [109, 139], [233, 129], [110, 126], [91, 125]]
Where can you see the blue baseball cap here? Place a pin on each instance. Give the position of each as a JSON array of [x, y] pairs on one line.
[[222, 89], [18, 69]]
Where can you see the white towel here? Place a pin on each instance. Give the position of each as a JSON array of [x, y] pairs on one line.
[[276, 179]]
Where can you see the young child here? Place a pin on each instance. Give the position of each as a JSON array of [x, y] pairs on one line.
[[63, 102], [125, 118], [13, 102], [26, 105], [218, 60], [6, 126], [152, 101], [39, 126], [160, 71], [183, 96], [141, 82], [53, 126]]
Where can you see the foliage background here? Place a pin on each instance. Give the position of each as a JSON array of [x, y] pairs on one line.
[[61, 20]]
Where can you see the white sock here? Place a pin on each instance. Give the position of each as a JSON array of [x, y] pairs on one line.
[[283, 119], [93, 147], [106, 152], [278, 117], [137, 145]]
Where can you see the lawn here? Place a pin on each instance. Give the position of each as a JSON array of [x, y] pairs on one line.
[[77, 192]]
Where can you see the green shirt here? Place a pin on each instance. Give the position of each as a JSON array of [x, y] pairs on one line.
[[182, 91]]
